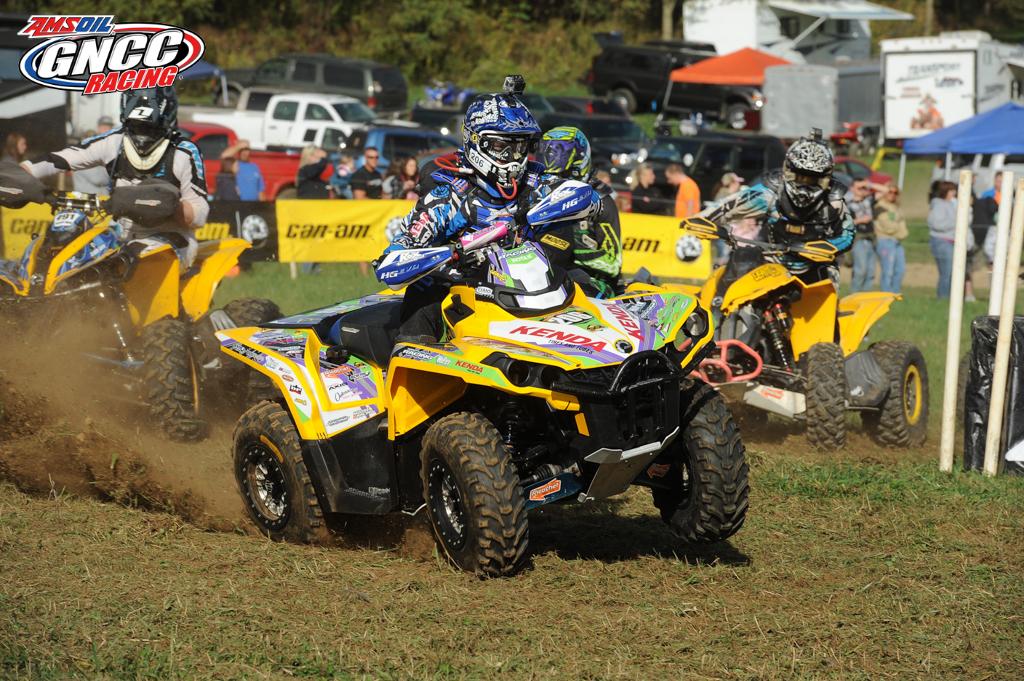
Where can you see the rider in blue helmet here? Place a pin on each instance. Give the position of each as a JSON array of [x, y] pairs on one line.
[[595, 243], [490, 176]]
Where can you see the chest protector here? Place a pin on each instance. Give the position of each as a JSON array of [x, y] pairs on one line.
[[122, 168]]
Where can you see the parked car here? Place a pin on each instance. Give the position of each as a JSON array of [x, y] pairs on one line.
[[857, 170], [637, 76], [277, 167], [588, 105], [394, 142], [381, 87], [614, 140], [289, 119], [707, 155]]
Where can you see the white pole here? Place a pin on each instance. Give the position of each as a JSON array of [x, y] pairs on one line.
[[947, 172], [293, 269], [994, 435], [956, 311], [903, 171], [995, 294]]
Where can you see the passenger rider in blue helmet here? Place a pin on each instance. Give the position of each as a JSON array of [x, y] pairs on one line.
[[492, 175]]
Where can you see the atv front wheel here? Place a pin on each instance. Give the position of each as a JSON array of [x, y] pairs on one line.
[[825, 396], [257, 386], [902, 420], [272, 477], [709, 495], [473, 497], [170, 379]]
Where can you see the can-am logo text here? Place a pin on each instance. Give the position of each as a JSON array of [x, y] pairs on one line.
[[92, 54]]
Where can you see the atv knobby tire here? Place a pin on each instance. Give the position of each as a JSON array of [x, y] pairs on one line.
[[272, 476], [257, 386], [709, 499], [825, 396], [473, 497], [170, 379], [902, 420]]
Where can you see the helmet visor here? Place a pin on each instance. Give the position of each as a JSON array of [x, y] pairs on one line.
[[144, 135], [557, 156], [506, 148]]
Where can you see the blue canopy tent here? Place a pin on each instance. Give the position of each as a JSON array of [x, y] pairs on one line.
[[993, 132], [204, 69]]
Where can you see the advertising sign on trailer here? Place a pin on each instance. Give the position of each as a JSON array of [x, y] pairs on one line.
[[926, 91]]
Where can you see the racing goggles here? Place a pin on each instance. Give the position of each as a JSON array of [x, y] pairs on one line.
[[807, 180], [144, 135], [557, 155], [503, 148]]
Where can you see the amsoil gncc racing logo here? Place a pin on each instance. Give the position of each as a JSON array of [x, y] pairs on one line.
[[93, 54]]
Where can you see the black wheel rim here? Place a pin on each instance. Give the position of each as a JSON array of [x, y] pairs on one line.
[[446, 505], [265, 486]]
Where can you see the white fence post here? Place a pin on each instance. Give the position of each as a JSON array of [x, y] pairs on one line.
[[995, 292], [956, 311], [993, 437]]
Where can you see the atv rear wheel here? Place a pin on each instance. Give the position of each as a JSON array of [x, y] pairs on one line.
[[251, 312], [825, 396], [171, 379], [902, 420], [709, 498], [473, 497], [272, 477]]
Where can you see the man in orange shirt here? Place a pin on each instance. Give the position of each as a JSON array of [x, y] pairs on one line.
[[687, 194]]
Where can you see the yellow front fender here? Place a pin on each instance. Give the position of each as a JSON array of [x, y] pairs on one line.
[[215, 259], [858, 312]]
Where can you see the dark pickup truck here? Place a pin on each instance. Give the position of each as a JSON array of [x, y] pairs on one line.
[[638, 75]]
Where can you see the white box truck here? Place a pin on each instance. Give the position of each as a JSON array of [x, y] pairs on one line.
[[930, 83]]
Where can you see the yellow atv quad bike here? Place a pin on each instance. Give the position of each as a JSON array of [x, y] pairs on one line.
[[537, 395], [789, 346], [161, 344]]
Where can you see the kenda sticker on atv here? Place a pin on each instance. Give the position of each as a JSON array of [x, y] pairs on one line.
[[94, 54]]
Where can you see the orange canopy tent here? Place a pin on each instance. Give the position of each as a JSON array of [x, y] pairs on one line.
[[742, 67]]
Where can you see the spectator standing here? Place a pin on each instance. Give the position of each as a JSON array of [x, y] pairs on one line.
[[94, 180], [367, 182], [342, 177], [646, 197], [687, 191], [941, 232], [402, 180], [727, 186], [860, 202], [312, 163], [227, 181], [248, 177], [986, 214], [890, 231], [15, 147]]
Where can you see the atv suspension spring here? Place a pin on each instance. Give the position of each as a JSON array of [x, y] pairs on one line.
[[773, 326]]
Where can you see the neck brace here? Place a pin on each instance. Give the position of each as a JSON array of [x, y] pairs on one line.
[[140, 162]]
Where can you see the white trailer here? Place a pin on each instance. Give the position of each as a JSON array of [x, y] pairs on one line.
[[811, 31], [931, 83]]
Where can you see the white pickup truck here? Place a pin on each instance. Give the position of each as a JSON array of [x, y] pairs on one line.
[[291, 120]]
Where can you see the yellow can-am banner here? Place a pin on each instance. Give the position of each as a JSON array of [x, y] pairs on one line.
[[356, 231]]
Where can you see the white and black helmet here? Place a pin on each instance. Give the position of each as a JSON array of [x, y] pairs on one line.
[[807, 171]]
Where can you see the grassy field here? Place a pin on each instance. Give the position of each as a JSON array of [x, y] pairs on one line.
[[865, 563]]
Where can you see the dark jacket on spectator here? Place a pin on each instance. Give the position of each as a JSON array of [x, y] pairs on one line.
[[309, 184]]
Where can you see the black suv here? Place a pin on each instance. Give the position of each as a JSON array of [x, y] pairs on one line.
[[638, 75], [706, 156], [381, 86]]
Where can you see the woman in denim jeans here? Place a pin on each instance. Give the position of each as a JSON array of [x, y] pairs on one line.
[[942, 229], [890, 231]]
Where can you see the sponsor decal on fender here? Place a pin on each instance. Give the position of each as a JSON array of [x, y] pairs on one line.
[[627, 321], [559, 336], [92, 54]]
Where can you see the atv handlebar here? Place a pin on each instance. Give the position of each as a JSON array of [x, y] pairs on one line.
[[815, 251]]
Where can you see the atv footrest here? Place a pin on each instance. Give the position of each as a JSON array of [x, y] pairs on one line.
[[723, 369]]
